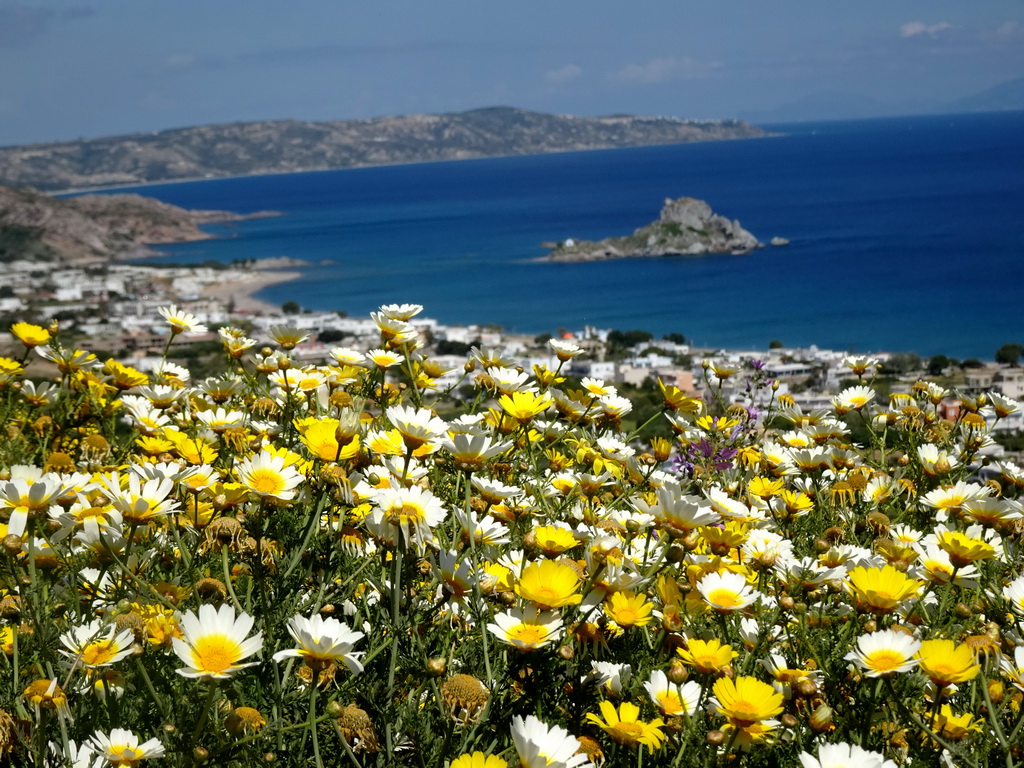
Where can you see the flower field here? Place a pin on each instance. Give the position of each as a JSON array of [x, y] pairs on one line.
[[346, 564]]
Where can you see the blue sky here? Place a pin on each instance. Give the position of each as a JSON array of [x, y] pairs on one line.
[[77, 68]]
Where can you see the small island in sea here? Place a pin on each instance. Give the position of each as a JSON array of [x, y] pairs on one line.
[[686, 227]]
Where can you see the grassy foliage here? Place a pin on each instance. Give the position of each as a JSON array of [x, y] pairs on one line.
[[308, 566]]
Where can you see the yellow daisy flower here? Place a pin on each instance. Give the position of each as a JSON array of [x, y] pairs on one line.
[[955, 727], [320, 436], [880, 590], [523, 406], [963, 549], [945, 662], [746, 700], [764, 488], [30, 335], [553, 540], [478, 760], [707, 656], [549, 584], [625, 728], [628, 609]]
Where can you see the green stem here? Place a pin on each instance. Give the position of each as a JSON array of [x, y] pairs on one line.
[[311, 526], [226, 571], [312, 721], [207, 706], [165, 713], [186, 558], [396, 605], [344, 743], [477, 597]]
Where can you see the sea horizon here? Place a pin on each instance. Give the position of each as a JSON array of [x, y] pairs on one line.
[[904, 236]]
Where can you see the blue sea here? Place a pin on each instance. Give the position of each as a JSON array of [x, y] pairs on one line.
[[907, 234]]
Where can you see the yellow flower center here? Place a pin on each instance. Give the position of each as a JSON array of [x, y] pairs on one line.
[[724, 598], [406, 514], [543, 595], [885, 661], [215, 653], [266, 481], [122, 754], [942, 671], [528, 634], [626, 733], [670, 703], [626, 615], [98, 653], [744, 710], [707, 662]]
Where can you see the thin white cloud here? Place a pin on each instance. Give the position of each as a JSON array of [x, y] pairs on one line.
[[1009, 30], [663, 70], [20, 23], [916, 28], [563, 75], [180, 61]]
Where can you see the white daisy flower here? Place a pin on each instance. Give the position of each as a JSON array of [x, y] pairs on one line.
[[214, 642]]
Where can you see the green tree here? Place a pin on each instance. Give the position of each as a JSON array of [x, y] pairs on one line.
[[902, 362], [291, 308], [1009, 354], [937, 364], [330, 335], [628, 338], [775, 344], [447, 347]]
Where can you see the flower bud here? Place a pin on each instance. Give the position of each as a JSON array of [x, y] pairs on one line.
[[334, 709], [716, 738], [805, 688], [996, 691], [821, 718], [677, 673], [13, 544]]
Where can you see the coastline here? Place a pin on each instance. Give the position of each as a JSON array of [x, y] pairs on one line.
[[363, 166], [242, 292]]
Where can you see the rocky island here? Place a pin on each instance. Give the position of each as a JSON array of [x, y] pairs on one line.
[[94, 228], [686, 227]]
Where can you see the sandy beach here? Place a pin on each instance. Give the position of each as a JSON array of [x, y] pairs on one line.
[[241, 292]]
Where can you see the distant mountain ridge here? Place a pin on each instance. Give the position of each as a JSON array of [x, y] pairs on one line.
[[290, 145], [836, 105], [999, 98]]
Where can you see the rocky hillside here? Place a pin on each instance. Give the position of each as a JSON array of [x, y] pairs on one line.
[[93, 227], [286, 146], [686, 227]]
